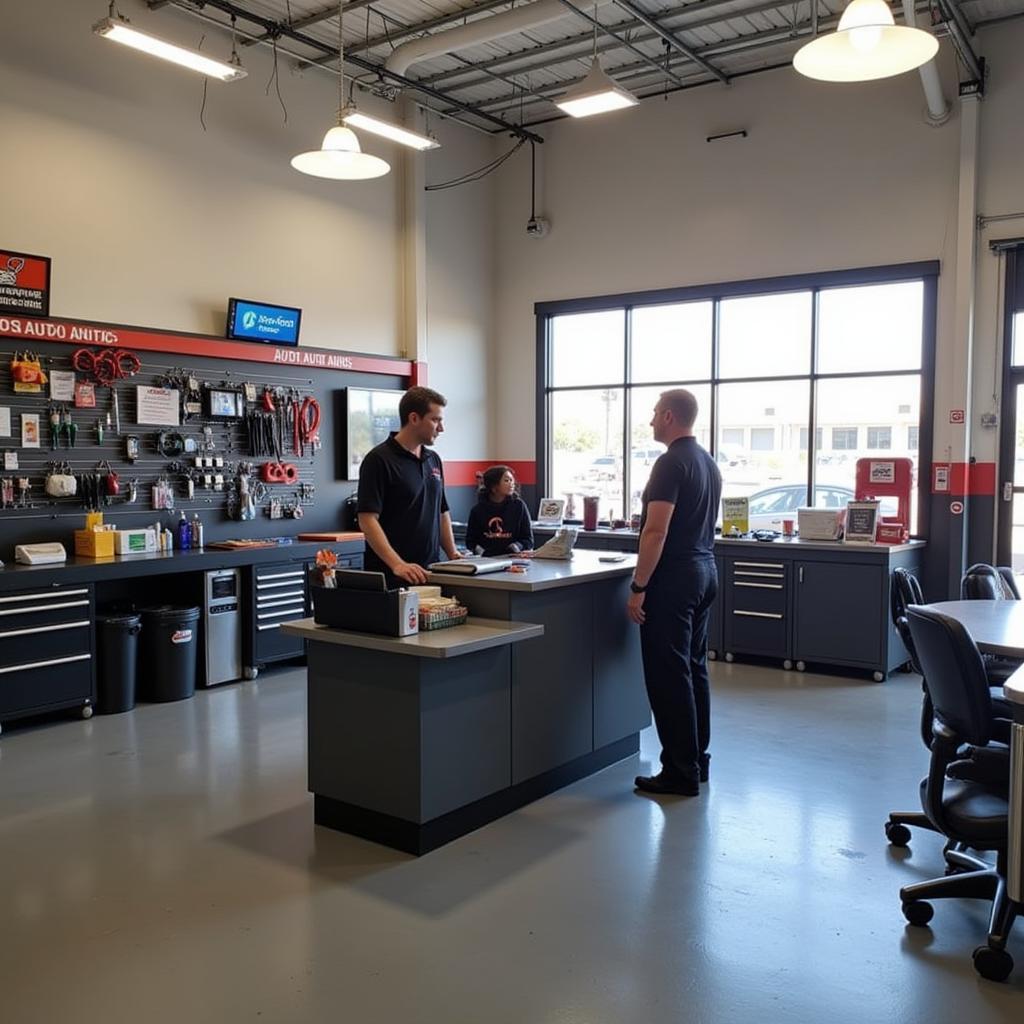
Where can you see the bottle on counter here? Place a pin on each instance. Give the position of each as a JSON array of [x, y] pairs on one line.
[[168, 536], [197, 532], [184, 533]]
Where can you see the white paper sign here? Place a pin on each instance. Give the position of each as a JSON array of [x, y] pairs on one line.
[[29, 430], [158, 407], [62, 385], [5, 421], [882, 472]]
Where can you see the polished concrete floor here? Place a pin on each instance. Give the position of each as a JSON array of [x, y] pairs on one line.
[[162, 866]]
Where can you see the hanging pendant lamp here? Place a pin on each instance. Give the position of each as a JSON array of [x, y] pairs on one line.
[[866, 45], [340, 156], [596, 92]]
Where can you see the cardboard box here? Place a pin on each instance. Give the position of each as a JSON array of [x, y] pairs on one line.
[[134, 542], [94, 543]]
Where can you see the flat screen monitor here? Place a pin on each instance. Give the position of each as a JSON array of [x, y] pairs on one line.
[[258, 321]]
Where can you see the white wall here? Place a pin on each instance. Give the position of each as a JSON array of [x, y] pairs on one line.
[[830, 177]]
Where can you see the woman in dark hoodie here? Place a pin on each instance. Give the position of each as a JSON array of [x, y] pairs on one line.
[[499, 523]]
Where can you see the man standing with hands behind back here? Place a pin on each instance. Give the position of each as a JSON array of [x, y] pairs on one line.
[[402, 508], [673, 588]]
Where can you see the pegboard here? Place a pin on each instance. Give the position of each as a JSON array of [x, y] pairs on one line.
[[315, 488]]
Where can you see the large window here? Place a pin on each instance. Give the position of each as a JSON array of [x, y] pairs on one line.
[[840, 358]]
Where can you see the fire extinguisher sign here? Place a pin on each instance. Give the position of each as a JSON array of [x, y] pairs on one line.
[[24, 283]]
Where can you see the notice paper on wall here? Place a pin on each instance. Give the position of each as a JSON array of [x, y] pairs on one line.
[[5, 421], [62, 385], [30, 430], [159, 407]]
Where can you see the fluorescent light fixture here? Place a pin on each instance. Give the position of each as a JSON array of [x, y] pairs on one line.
[[341, 158], [120, 31], [866, 45], [357, 119], [594, 94]]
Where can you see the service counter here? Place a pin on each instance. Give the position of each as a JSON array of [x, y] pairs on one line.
[[415, 741]]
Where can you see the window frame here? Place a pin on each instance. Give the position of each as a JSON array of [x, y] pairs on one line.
[[926, 272]]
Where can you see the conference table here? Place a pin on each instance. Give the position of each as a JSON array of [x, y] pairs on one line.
[[997, 627]]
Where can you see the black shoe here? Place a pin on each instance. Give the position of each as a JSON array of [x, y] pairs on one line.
[[662, 783], [704, 764]]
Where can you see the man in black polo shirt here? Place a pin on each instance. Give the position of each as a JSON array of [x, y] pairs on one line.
[[673, 588], [402, 508]]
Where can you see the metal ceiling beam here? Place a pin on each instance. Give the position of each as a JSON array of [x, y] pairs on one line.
[[269, 26], [674, 41], [584, 40], [608, 31], [409, 31], [324, 14], [960, 32]]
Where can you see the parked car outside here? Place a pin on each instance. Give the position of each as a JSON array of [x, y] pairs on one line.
[[769, 507]]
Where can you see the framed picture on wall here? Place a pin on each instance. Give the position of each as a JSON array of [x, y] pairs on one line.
[[370, 416]]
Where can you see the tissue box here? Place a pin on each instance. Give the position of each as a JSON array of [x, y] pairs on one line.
[[134, 542], [94, 543]]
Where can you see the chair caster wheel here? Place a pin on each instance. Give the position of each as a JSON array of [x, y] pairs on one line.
[[728, 658], [919, 913], [801, 666], [251, 672], [86, 711], [712, 655], [787, 664], [897, 834], [993, 964], [878, 676]]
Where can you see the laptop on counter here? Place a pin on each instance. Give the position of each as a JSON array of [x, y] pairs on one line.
[[472, 566]]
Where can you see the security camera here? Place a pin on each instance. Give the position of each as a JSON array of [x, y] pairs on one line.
[[537, 227]]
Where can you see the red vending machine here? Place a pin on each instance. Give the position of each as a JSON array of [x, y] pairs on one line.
[[888, 478]]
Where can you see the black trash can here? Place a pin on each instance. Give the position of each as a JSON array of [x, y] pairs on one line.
[[117, 638], [168, 652]]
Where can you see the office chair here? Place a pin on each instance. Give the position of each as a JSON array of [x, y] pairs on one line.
[[967, 812], [984, 582]]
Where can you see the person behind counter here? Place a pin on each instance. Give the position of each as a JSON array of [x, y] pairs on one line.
[[499, 523], [402, 508]]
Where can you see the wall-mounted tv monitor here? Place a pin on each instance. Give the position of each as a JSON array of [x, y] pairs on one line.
[[258, 321], [370, 415]]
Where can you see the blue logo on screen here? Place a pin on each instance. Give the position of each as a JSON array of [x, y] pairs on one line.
[[256, 322]]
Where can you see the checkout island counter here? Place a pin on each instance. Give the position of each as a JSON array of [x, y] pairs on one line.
[[414, 741]]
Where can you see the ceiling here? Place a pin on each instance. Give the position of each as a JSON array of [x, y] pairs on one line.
[[649, 46]]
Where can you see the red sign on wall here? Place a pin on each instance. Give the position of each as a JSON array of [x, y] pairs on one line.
[[956, 415], [24, 284]]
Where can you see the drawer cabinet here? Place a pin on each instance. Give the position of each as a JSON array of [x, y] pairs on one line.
[[277, 594], [46, 650], [756, 605]]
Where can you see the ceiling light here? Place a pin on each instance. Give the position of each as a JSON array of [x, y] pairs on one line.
[[357, 119], [340, 156], [119, 30], [867, 45], [595, 94]]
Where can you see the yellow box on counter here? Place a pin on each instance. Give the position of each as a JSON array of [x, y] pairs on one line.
[[94, 543]]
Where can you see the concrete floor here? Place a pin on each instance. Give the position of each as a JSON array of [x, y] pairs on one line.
[[163, 866]]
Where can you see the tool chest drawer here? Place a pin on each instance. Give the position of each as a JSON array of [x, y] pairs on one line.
[[757, 596], [277, 595], [46, 649]]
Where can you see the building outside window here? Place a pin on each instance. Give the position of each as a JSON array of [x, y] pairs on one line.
[[841, 355]]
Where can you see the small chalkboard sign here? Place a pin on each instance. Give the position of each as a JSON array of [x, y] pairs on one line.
[[551, 512], [861, 522]]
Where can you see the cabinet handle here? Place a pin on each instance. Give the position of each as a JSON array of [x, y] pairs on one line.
[[762, 586], [44, 607], [765, 575], [43, 595], [279, 575], [760, 565], [44, 629], [297, 612], [800, 575], [759, 615], [272, 625], [44, 664], [286, 597]]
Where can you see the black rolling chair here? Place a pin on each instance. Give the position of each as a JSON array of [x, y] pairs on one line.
[[984, 582], [967, 812]]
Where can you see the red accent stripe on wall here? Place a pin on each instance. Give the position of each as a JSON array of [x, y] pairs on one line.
[[969, 478], [85, 332], [463, 474]]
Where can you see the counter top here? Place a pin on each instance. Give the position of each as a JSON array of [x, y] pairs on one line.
[[154, 563], [474, 635], [544, 574]]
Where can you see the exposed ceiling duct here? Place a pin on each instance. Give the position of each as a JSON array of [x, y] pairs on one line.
[[484, 30], [938, 108]]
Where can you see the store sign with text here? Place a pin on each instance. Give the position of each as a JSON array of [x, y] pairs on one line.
[[24, 284]]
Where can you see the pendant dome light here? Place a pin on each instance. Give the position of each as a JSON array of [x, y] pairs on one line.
[[867, 45], [596, 92], [340, 156]]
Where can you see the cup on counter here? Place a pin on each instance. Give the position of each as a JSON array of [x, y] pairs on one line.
[[787, 527], [589, 512]]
